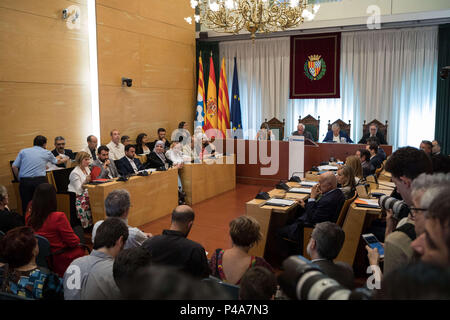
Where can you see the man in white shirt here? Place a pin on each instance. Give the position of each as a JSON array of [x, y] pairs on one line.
[[116, 148], [91, 148]]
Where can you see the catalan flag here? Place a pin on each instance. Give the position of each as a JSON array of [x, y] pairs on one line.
[[201, 106], [223, 120], [211, 102]]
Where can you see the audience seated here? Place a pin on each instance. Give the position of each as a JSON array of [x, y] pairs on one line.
[[346, 181], [60, 144], [172, 247], [374, 134], [116, 148], [367, 167], [78, 179], [441, 163], [91, 148], [142, 144], [99, 283], [302, 132], [436, 149], [354, 162], [375, 160], [125, 140], [54, 226], [19, 274], [128, 164], [426, 146], [117, 205], [191, 152], [161, 136], [157, 159], [420, 281], [8, 219], [258, 283], [433, 245], [103, 168], [111, 236], [324, 246], [231, 264], [182, 134], [126, 264], [175, 154], [380, 152], [325, 208], [337, 135]]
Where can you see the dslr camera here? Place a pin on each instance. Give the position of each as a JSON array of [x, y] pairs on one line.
[[398, 207]]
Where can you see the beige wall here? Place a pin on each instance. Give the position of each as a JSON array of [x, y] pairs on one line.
[[44, 78], [150, 42]]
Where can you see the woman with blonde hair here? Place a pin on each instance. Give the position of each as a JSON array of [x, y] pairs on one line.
[[79, 177], [355, 163], [346, 179], [231, 264]]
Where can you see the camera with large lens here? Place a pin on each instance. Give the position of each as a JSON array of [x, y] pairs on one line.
[[303, 280], [398, 207]]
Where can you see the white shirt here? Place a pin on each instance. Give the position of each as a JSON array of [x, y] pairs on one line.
[[88, 151], [133, 165], [116, 152], [77, 179], [336, 138], [175, 156]]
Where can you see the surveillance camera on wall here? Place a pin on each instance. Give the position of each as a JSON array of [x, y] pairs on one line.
[[444, 72], [127, 81]]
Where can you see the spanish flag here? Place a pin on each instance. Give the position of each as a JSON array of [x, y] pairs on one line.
[[211, 102], [224, 103]]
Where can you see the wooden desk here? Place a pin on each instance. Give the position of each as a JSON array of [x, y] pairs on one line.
[[205, 180], [270, 219], [152, 197]]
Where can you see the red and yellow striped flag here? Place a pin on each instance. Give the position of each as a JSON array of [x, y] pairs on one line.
[[223, 121], [211, 100]]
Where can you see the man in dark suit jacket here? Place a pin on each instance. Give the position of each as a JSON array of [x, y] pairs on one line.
[[337, 133], [172, 247], [375, 159], [375, 134], [302, 132], [317, 209], [129, 164], [60, 144], [324, 246]]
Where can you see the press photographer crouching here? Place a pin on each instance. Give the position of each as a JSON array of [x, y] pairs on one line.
[[405, 165]]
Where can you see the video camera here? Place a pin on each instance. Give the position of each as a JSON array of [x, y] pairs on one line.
[[398, 207], [302, 280]]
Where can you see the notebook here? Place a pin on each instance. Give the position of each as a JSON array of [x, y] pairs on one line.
[[300, 190], [279, 202], [308, 183], [367, 203]]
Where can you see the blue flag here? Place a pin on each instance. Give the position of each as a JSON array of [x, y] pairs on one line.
[[236, 118]]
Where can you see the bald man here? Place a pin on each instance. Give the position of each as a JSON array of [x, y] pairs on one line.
[[324, 204], [174, 249]]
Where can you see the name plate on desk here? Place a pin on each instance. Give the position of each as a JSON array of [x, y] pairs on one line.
[[279, 202]]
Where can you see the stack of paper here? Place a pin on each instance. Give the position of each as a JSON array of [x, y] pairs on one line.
[[367, 203], [280, 202], [308, 183], [327, 167], [300, 190]]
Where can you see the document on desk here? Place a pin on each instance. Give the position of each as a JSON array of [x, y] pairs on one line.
[[308, 183], [279, 202], [367, 203], [300, 190], [327, 167]]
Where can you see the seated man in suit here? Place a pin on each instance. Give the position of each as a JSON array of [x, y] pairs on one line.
[[427, 147], [337, 135], [103, 168], [367, 167], [375, 159], [129, 164], [60, 144], [324, 204], [324, 246], [302, 132], [375, 134], [161, 136]]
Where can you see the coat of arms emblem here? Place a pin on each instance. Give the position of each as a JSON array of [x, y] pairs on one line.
[[315, 67]]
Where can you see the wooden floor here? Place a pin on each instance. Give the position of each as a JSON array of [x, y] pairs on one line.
[[212, 217]]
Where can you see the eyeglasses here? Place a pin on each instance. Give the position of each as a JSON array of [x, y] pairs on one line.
[[61, 144], [415, 210]]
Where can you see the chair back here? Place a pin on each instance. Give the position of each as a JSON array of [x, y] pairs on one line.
[[44, 252], [344, 126], [277, 127], [61, 179], [344, 210], [383, 128], [231, 289], [379, 170], [312, 125]]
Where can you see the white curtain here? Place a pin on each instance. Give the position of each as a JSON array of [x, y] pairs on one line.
[[385, 75]]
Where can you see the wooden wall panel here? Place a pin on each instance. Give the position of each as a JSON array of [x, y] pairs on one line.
[[44, 79], [144, 42]]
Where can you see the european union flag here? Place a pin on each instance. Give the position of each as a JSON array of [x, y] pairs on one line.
[[236, 118]]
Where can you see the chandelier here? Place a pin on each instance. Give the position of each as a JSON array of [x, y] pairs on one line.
[[232, 16]]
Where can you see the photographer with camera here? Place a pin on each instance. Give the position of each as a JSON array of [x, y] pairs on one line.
[[405, 165]]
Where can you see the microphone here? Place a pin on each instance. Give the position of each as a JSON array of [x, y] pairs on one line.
[[295, 178], [262, 195], [282, 185]]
